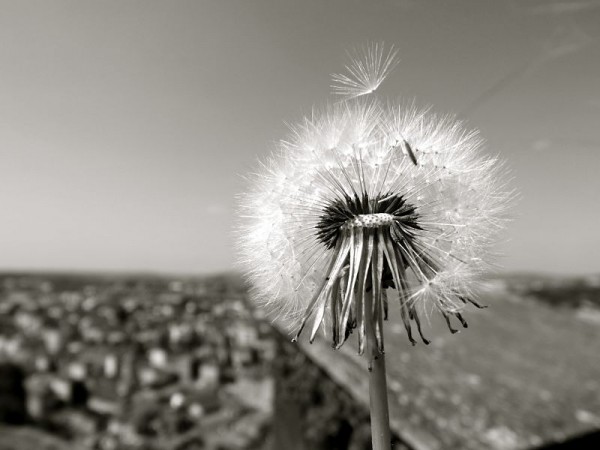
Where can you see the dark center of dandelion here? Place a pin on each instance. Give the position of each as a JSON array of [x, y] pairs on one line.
[[374, 243], [391, 211]]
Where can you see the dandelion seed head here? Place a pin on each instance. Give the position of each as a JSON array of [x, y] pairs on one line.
[[365, 196]]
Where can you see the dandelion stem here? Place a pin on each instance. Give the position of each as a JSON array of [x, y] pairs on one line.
[[380, 417]]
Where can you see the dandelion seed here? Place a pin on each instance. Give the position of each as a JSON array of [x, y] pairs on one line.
[[364, 197], [367, 70]]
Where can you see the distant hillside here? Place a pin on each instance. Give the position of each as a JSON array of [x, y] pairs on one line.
[[559, 291], [73, 281]]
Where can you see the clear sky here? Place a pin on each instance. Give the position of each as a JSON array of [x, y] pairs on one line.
[[125, 126]]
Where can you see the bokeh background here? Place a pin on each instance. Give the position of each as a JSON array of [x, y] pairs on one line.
[[125, 126]]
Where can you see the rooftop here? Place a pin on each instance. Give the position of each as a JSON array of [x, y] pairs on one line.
[[522, 375]]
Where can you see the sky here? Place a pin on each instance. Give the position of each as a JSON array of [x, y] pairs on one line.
[[126, 126]]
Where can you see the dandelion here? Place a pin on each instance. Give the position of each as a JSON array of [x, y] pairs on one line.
[[366, 196]]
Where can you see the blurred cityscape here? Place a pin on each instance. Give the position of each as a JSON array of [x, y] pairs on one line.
[[132, 363], [150, 362]]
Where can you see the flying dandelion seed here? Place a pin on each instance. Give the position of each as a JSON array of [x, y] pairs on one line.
[[367, 70], [363, 197]]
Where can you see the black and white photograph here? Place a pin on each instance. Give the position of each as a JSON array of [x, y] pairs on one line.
[[299, 225]]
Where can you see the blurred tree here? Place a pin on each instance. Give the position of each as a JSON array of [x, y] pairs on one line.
[[12, 394]]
